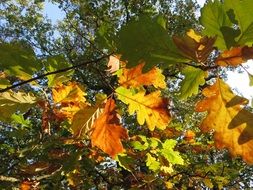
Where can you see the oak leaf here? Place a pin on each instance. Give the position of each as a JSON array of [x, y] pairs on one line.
[[10, 102], [150, 108], [134, 77], [194, 46], [194, 77], [232, 124], [108, 132], [70, 99], [235, 56], [84, 119]]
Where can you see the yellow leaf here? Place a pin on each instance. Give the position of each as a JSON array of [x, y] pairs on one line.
[[150, 108], [192, 34], [71, 92], [231, 123], [70, 98], [134, 77], [194, 46], [83, 120], [108, 132]]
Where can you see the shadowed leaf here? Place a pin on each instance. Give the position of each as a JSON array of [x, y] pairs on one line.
[[231, 123]]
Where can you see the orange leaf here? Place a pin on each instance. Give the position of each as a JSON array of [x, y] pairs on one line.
[[107, 131], [150, 108], [235, 56], [26, 185], [134, 77], [231, 123], [70, 98], [195, 46], [189, 136]]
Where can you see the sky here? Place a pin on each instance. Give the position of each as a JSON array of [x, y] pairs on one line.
[[239, 82]]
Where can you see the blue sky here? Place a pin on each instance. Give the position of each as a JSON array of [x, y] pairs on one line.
[[53, 12]]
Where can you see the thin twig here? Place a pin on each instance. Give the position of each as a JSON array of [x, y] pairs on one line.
[[53, 72]]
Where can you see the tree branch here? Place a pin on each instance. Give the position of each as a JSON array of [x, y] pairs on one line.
[[54, 72], [9, 179]]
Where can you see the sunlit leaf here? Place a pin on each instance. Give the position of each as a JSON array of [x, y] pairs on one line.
[[194, 77], [150, 108], [134, 77], [152, 163], [235, 56], [214, 18], [231, 123], [108, 132], [171, 155], [84, 119], [113, 64], [70, 98], [10, 102]]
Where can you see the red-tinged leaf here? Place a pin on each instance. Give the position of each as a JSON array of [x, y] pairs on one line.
[[108, 132], [231, 123], [134, 77], [194, 46], [235, 56]]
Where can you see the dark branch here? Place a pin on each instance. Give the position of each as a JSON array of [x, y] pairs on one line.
[[54, 72]]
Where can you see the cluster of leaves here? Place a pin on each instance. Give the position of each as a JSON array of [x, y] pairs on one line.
[[144, 129]]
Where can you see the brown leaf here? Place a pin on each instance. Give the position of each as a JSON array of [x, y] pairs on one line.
[[108, 132], [235, 56], [195, 46], [134, 77], [46, 116], [232, 124]]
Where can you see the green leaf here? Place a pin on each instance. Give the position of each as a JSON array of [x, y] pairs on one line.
[[18, 118], [250, 79], [145, 40], [194, 77], [137, 145], [10, 102], [242, 13], [213, 18], [4, 83], [125, 161], [55, 63], [18, 61], [152, 163], [154, 142], [172, 156]]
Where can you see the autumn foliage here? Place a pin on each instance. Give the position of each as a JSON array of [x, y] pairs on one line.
[[135, 121]]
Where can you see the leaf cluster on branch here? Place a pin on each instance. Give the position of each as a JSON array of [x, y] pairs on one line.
[[146, 110]]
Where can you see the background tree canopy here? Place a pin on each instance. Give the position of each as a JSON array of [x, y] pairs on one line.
[[124, 95]]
